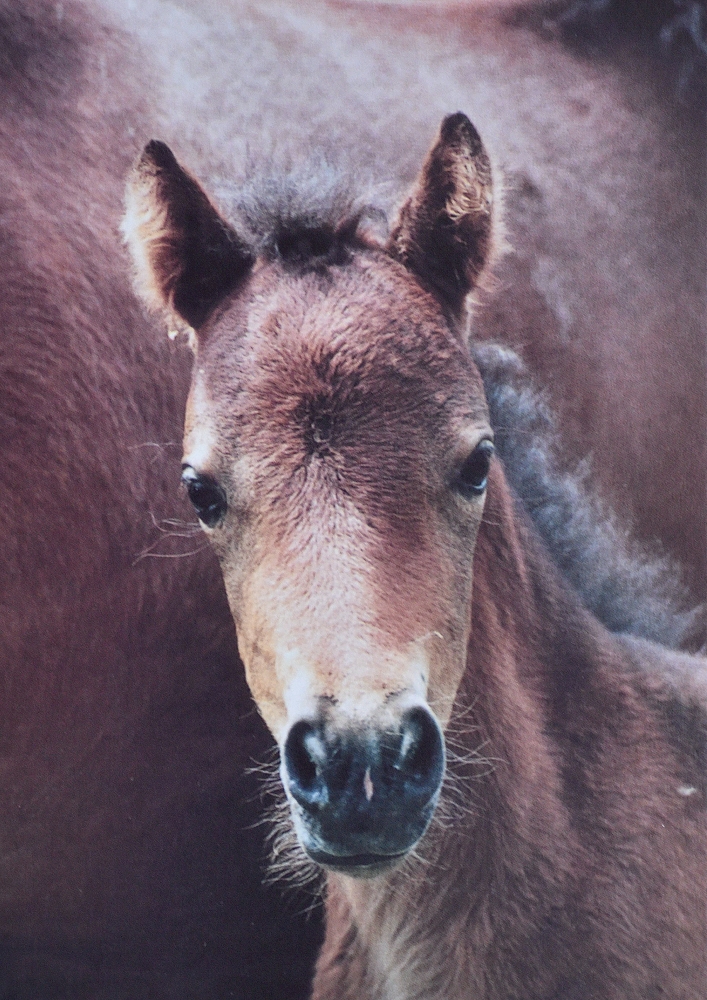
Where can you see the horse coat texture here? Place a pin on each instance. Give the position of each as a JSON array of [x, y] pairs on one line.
[[129, 860], [387, 585]]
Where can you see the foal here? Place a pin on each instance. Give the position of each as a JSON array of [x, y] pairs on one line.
[[339, 453]]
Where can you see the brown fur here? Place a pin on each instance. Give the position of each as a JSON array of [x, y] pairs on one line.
[[126, 839], [537, 888], [126, 851], [336, 409]]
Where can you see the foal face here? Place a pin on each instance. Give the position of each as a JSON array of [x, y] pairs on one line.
[[336, 450], [346, 428]]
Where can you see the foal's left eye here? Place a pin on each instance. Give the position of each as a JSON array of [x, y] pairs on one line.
[[207, 496], [473, 475]]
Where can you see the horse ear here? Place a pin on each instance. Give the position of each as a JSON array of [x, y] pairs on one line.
[[444, 232], [186, 257]]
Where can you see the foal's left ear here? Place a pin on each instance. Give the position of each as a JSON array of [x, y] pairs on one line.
[[186, 257], [444, 232]]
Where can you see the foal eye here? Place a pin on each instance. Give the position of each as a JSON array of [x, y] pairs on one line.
[[207, 496], [473, 474]]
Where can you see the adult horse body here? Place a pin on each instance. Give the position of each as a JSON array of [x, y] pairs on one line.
[[338, 452], [127, 857]]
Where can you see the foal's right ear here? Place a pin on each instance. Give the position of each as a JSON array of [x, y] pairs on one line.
[[186, 257], [445, 230]]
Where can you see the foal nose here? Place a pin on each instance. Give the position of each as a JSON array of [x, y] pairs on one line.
[[365, 791]]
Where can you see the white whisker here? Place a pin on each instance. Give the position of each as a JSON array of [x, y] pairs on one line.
[[148, 554]]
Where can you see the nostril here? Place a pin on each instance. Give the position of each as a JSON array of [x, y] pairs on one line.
[[304, 757], [421, 754]]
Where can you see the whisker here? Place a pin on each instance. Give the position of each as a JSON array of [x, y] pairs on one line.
[[148, 554], [192, 526], [288, 866], [155, 444], [429, 635]]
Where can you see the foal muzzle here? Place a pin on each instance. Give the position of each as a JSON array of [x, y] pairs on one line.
[[362, 797]]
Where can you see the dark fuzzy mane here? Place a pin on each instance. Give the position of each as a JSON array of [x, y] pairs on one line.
[[303, 212], [628, 588]]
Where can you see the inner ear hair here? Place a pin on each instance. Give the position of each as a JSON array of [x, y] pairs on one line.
[[187, 258], [444, 232]]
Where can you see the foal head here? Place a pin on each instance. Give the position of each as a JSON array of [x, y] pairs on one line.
[[336, 450]]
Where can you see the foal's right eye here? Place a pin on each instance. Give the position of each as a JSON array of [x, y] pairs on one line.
[[207, 496], [473, 474]]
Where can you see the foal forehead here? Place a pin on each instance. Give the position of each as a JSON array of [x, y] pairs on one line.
[[364, 335]]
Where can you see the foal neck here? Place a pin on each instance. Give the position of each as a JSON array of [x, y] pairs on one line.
[[500, 816], [532, 642], [562, 812]]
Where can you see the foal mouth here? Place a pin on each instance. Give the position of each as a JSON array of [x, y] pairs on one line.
[[358, 865]]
